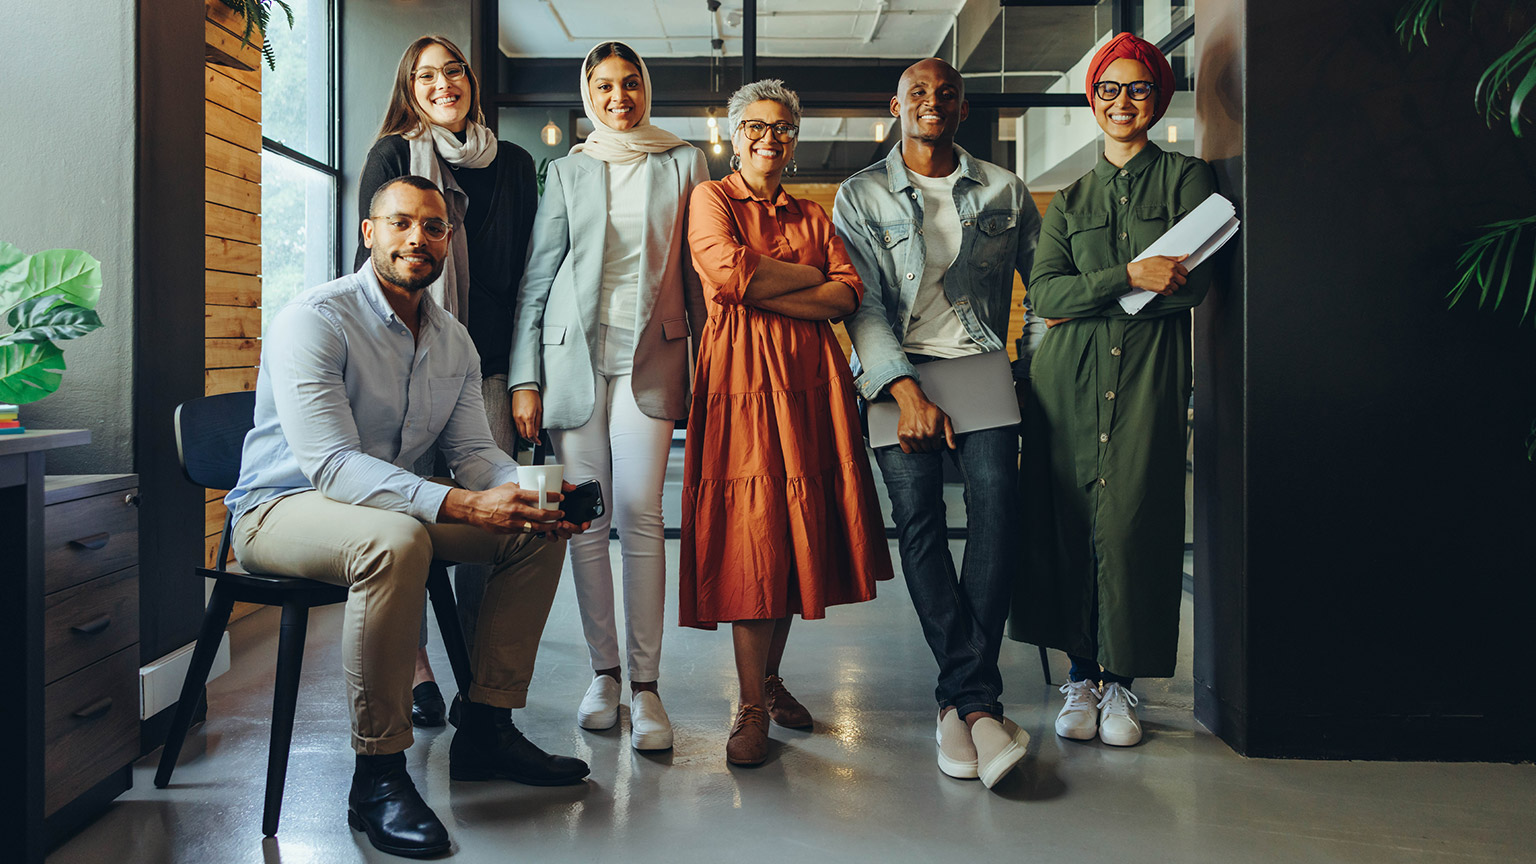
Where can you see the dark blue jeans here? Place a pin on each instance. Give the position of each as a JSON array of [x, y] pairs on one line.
[[962, 618]]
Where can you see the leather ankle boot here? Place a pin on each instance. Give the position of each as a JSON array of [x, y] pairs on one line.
[[487, 745], [385, 805]]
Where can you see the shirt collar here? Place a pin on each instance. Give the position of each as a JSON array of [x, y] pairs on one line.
[[373, 292], [1106, 170], [736, 188], [896, 169]]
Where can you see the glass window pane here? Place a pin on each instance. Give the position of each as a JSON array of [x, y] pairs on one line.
[[298, 230], [296, 96]]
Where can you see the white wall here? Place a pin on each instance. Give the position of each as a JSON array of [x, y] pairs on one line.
[[67, 146]]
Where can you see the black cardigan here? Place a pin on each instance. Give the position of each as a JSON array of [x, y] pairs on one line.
[[502, 200]]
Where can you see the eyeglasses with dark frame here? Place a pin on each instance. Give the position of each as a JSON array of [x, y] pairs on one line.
[[453, 71], [1110, 90], [756, 129], [434, 229]]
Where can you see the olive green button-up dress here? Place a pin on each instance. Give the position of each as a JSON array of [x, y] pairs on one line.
[[1105, 436]]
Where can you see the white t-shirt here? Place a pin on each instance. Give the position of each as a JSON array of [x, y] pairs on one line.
[[933, 328], [627, 187]]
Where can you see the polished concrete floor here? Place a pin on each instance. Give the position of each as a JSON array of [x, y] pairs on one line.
[[861, 787]]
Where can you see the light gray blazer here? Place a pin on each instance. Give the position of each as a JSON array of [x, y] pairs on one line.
[[554, 331]]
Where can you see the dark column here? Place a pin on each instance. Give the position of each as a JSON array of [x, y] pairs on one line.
[[169, 299], [1364, 501], [748, 41]]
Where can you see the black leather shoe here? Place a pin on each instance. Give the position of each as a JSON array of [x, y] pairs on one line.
[[427, 706], [385, 805], [488, 745]]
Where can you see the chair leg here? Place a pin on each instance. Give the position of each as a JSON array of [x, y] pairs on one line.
[[440, 591], [290, 658], [1045, 666], [214, 621]]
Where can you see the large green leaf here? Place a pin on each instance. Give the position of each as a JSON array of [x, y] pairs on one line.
[[49, 318], [29, 372], [10, 256], [67, 272], [1514, 74]]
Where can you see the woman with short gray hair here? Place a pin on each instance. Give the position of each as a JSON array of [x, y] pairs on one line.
[[779, 508]]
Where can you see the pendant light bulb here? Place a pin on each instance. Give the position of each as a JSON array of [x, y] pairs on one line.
[[550, 134]]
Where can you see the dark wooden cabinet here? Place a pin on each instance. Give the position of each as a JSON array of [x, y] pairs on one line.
[[90, 643]]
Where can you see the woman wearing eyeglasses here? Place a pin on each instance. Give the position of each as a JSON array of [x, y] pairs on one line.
[[600, 357], [1105, 578], [779, 509], [433, 127]]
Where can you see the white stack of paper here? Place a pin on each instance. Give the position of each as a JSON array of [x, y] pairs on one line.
[[1199, 234]]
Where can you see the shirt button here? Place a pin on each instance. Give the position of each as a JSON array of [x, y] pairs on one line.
[[1103, 437], [1122, 235], [1109, 394], [887, 236], [919, 232], [1124, 200], [909, 275], [1103, 482], [1124, 173], [1114, 352]]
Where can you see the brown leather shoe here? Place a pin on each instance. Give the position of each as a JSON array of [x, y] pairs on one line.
[[748, 744], [785, 709]]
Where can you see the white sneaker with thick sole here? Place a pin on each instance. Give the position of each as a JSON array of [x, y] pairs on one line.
[[999, 747], [1079, 718], [649, 726], [957, 753], [599, 709], [1118, 725]]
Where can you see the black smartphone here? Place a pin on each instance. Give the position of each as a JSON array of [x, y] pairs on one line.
[[584, 503]]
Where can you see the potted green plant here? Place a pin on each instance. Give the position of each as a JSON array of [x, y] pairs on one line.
[[1502, 260], [45, 297], [256, 14]]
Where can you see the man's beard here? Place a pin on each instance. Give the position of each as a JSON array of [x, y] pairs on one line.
[[384, 267]]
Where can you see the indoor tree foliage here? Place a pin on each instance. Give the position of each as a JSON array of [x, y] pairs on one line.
[[256, 14], [1502, 261], [47, 297]]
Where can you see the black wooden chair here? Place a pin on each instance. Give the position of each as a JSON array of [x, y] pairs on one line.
[[210, 433]]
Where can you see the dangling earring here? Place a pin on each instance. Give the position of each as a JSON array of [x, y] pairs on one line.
[[735, 162], [793, 168]]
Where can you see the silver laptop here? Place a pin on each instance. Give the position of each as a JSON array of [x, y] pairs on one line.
[[976, 392]]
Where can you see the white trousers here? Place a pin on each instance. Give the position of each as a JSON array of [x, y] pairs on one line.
[[626, 452]]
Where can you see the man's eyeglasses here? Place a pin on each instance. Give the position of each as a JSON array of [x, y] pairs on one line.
[[1109, 90], [756, 129], [428, 74], [434, 229]]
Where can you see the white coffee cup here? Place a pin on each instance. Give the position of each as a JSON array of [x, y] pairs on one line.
[[542, 478]]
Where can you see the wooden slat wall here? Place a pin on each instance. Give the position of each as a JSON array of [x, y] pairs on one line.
[[232, 318], [826, 193]]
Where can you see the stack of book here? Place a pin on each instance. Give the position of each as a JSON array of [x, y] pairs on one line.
[[9, 424]]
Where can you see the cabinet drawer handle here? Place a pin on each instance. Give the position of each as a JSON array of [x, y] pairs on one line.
[[93, 542], [95, 709], [93, 626]]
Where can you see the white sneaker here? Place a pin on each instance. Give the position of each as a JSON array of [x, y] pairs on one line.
[[649, 727], [999, 746], [599, 709], [1079, 718], [1117, 718], [957, 753]]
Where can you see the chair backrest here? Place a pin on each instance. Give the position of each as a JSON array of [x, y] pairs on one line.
[[210, 433]]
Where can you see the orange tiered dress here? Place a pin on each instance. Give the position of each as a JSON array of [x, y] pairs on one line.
[[779, 507]]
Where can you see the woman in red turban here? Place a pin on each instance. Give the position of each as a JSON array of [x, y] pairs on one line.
[[1104, 576]]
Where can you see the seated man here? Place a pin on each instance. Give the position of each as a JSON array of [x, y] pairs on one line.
[[359, 377]]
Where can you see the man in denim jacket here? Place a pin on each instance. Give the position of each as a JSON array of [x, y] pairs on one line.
[[936, 235]]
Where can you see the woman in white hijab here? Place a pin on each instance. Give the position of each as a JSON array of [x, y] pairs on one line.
[[433, 127], [600, 357]]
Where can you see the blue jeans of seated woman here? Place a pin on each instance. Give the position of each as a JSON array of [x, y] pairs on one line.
[[963, 617]]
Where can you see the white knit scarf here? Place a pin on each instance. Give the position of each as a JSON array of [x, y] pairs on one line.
[[451, 290]]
